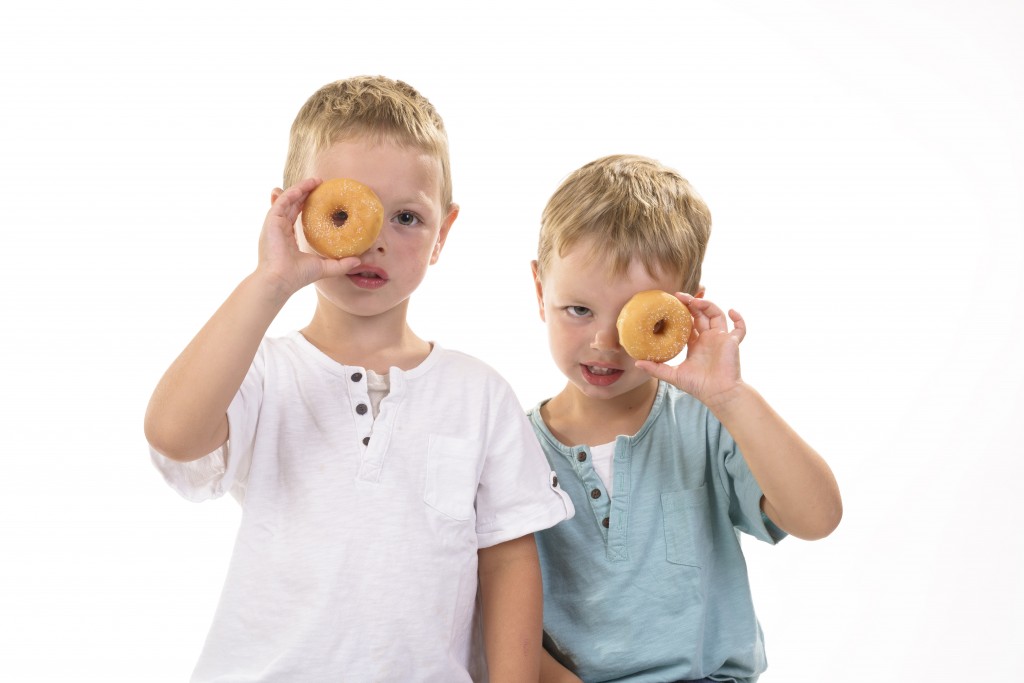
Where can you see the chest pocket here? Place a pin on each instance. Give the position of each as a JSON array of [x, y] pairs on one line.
[[451, 476], [687, 526]]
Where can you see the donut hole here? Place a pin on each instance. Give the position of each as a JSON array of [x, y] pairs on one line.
[[660, 327], [339, 217]]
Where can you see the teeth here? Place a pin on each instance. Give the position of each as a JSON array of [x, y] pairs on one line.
[[594, 370]]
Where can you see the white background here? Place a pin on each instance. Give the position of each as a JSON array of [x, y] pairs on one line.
[[863, 164]]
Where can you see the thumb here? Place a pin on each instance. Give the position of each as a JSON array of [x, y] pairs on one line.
[[655, 370], [339, 267]]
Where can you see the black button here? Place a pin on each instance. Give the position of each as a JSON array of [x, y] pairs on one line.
[[554, 481], [361, 409], [356, 376], [595, 494], [605, 522], [366, 442], [581, 456]]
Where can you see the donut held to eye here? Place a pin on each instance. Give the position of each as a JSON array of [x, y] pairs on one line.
[[654, 325], [342, 217]]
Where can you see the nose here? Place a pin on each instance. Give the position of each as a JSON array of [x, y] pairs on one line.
[[605, 339], [380, 245]]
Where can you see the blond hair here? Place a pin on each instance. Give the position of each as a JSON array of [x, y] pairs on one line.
[[372, 107], [629, 207]]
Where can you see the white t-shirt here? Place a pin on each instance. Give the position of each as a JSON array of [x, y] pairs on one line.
[[601, 458], [356, 557]]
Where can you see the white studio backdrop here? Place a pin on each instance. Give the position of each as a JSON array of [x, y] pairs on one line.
[[863, 165]]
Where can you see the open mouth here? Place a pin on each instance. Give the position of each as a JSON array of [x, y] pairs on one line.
[[367, 279], [600, 375]]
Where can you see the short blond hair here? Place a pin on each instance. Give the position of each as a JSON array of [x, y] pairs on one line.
[[371, 107], [628, 208]]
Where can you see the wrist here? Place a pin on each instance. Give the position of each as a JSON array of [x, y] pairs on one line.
[[738, 399], [269, 289]]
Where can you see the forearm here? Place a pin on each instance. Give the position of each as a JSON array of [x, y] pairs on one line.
[[187, 414], [800, 492], [512, 602]]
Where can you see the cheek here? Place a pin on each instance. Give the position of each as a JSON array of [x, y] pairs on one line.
[[418, 249], [563, 338]]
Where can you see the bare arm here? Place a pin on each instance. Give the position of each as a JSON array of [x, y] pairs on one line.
[[512, 600], [800, 492], [187, 414]]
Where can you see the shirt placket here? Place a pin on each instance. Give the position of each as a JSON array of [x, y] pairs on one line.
[[362, 416], [618, 517], [610, 512]]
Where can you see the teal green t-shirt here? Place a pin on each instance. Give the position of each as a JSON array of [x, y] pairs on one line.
[[651, 585]]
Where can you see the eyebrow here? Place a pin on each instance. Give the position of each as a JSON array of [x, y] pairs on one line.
[[576, 297], [417, 201]]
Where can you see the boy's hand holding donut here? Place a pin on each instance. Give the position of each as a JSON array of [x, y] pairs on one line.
[[711, 371], [281, 261]]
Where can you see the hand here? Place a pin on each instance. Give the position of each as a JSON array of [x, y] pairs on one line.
[[711, 371], [280, 258]]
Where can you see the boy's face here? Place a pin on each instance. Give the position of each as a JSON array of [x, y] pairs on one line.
[[408, 183], [580, 300]]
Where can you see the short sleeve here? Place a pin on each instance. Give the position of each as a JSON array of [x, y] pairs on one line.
[[518, 494], [227, 468], [744, 491]]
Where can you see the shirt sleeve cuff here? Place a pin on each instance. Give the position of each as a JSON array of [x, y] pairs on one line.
[[196, 480]]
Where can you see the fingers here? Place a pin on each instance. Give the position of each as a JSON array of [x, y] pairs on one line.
[[656, 370], [338, 267], [739, 325], [289, 203], [707, 316]]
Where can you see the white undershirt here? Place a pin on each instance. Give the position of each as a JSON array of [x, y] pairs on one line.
[[601, 459], [377, 386]]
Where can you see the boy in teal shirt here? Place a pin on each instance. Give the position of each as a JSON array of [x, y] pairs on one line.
[[665, 465]]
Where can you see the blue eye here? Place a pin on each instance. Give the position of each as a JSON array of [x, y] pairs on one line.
[[577, 311]]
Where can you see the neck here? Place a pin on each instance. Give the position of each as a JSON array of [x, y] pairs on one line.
[[575, 418], [373, 342]]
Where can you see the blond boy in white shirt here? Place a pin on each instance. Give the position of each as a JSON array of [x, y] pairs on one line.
[[383, 479]]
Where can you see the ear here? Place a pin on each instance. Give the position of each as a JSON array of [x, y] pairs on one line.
[[446, 226], [539, 286]]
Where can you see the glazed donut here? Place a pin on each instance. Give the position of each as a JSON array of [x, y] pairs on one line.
[[654, 325], [341, 217]]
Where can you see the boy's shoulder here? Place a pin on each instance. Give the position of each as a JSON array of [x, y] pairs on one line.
[[682, 411], [460, 358], [677, 400], [467, 366]]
